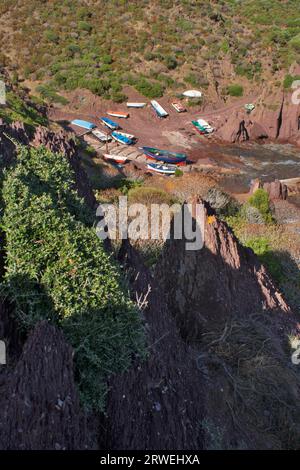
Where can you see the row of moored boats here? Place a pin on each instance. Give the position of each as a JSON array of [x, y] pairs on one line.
[[163, 161]]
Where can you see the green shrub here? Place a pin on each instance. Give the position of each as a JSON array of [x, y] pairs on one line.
[[235, 90], [295, 43], [149, 89], [57, 269], [84, 26], [178, 172], [149, 195], [261, 201], [261, 248], [47, 93], [289, 80]]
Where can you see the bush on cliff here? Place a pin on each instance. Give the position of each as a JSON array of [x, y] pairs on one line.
[[57, 269]]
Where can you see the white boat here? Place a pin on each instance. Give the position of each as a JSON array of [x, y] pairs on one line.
[[136, 105], [160, 111], [101, 136], [163, 169], [208, 128], [192, 94], [115, 158]]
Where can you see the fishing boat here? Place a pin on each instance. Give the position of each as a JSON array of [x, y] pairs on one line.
[[118, 114], [115, 158], [249, 107], [123, 137], [109, 123], [178, 107], [84, 124], [136, 105], [192, 94], [202, 126], [160, 111], [101, 136], [164, 156], [164, 169]]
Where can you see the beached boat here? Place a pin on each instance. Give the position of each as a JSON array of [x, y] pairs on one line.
[[202, 126], [249, 107], [118, 114], [84, 124], [164, 155], [160, 111], [101, 136], [192, 94], [123, 137], [136, 105], [115, 158], [164, 169], [178, 107], [109, 123]]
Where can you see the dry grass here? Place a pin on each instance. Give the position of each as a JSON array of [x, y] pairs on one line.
[[264, 384]]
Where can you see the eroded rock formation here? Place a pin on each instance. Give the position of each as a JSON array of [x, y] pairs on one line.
[[40, 405], [222, 279], [155, 405], [275, 189]]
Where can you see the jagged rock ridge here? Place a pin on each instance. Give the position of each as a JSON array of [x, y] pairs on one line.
[[40, 404]]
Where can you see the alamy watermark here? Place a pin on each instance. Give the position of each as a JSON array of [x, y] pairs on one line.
[[2, 353], [296, 93], [295, 345], [152, 222], [2, 92]]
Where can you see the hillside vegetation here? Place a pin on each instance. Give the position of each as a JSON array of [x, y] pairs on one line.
[[153, 45], [57, 269]]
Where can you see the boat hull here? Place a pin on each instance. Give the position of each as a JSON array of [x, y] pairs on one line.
[[160, 111], [178, 107], [161, 169], [110, 124], [164, 156], [83, 124], [123, 138], [118, 114], [115, 158], [136, 105]]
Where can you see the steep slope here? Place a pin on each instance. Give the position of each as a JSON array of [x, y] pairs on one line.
[[222, 279], [39, 400], [153, 45], [155, 405]]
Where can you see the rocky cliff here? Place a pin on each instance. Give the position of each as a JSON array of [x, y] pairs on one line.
[[56, 142], [217, 374], [221, 280], [39, 401]]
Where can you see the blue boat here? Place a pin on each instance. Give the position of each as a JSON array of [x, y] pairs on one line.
[[164, 155], [123, 138], [84, 124], [109, 123]]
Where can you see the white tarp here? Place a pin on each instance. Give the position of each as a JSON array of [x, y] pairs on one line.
[[192, 94]]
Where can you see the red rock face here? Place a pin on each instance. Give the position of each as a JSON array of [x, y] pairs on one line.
[[155, 405], [275, 189], [275, 117], [40, 406], [219, 281]]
